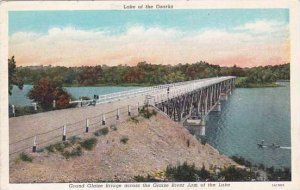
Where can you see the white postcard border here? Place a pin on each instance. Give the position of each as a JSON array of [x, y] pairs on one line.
[[292, 5]]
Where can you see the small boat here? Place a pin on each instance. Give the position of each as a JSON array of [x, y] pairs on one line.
[[262, 145], [274, 146]]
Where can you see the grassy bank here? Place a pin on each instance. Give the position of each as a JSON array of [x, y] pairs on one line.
[[185, 172], [242, 82]]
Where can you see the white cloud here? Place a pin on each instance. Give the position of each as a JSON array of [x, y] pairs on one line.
[[263, 26], [72, 47]]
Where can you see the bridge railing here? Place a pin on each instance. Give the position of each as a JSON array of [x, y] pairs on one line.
[[148, 90], [180, 90], [77, 129]]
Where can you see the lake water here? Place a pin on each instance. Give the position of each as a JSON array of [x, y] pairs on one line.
[[19, 98], [247, 117]]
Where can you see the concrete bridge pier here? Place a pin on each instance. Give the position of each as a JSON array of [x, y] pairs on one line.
[[223, 97], [202, 130], [202, 126], [217, 107], [203, 122]]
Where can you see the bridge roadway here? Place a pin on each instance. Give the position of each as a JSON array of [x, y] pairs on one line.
[[23, 129]]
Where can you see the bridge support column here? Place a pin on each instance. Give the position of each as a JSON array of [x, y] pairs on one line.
[[202, 127], [202, 130], [202, 122], [217, 107], [224, 96], [205, 104]]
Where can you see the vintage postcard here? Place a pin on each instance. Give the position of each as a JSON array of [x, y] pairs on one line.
[[150, 95]]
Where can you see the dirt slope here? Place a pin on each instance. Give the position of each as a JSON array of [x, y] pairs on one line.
[[153, 144]]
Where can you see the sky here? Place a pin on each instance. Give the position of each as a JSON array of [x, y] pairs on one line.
[[227, 37]]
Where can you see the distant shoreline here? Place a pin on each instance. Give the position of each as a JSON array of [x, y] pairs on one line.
[[246, 85], [103, 85]]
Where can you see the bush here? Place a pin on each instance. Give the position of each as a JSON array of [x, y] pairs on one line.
[[232, 173], [24, 157], [186, 172], [182, 172], [50, 148], [203, 141], [124, 139], [100, 132], [61, 148], [242, 161], [147, 113], [114, 127], [134, 119], [283, 174], [74, 139], [149, 178], [58, 147], [89, 144], [75, 152]]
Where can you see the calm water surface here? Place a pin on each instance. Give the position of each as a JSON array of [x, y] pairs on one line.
[[19, 98], [247, 117]]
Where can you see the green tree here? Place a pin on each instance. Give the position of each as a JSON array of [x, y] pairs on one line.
[[12, 78], [45, 91], [232, 173]]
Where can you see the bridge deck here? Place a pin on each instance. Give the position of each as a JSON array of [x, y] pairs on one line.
[[25, 127]]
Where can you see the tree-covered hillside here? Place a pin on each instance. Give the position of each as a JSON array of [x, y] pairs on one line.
[[148, 74]]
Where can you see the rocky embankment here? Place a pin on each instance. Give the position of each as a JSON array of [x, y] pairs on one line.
[[151, 145]]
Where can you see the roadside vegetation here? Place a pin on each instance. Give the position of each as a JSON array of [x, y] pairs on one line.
[[25, 157], [101, 132], [73, 147], [273, 174], [89, 144], [147, 112], [134, 119], [189, 173], [124, 139]]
